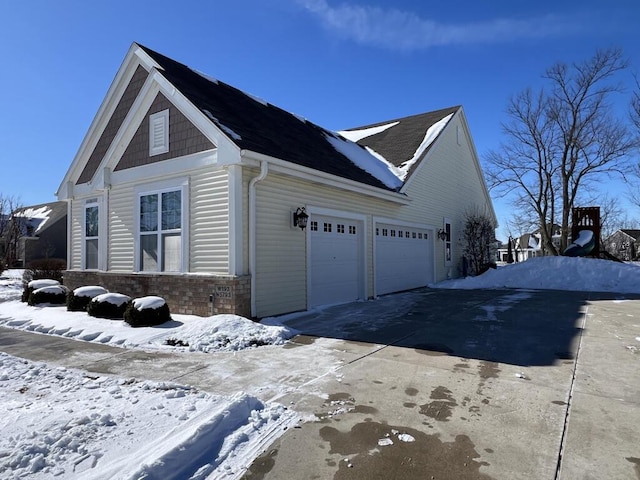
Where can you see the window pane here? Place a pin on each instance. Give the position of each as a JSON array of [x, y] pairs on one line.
[[171, 252], [91, 254], [171, 210], [149, 213], [149, 255], [91, 221]]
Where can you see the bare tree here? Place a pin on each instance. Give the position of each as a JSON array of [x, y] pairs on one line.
[[479, 241], [561, 140], [11, 229], [635, 105]]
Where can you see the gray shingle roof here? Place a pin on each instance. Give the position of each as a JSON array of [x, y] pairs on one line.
[[264, 128]]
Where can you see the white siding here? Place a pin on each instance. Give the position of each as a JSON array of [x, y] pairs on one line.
[[209, 222], [122, 228], [447, 184], [281, 248]]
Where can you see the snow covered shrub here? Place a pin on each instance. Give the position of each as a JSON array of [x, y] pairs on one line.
[[147, 312], [52, 294], [78, 300], [29, 287], [108, 305]]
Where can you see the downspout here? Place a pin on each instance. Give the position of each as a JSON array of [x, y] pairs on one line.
[[264, 170]]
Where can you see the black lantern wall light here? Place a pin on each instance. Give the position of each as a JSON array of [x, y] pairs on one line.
[[300, 218], [442, 235]]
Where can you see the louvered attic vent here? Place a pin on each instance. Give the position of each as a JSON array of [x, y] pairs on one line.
[[159, 133]]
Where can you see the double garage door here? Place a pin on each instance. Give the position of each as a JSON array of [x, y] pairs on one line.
[[403, 259]]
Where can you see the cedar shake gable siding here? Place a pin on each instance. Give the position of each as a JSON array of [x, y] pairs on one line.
[[399, 143], [259, 126], [113, 125], [184, 138]]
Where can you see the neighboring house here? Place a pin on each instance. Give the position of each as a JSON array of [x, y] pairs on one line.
[[188, 188], [623, 244], [527, 245], [40, 231]]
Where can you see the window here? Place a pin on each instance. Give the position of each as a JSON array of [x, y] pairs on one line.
[[340, 228], [393, 233], [448, 255], [419, 236], [406, 234], [327, 227], [314, 226], [91, 230], [159, 133], [161, 232], [400, 233], [377, 231], [385, 232], [352, 230]]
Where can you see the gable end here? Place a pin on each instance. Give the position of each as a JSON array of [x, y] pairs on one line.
[[184, 138], [114, 124]]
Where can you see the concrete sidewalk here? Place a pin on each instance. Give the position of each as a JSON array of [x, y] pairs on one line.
[[431, 384]]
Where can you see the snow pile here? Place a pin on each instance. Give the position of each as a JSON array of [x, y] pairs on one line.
[[58, 422], [116, 299], [37, 284], [557, 273], [148, 302], [90, 291], [10, 284]]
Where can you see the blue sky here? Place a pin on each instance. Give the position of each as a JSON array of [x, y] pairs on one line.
[[339, 63]]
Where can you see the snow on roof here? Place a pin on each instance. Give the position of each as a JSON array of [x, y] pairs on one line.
[[355, 135], [204, 75], [224, 128], [372, 163], [430, 135], [36, 217]]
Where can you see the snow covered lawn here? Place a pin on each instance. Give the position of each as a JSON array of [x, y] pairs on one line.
[[64, 423], [61, 423]]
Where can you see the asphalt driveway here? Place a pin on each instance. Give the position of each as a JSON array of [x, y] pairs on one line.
[[430, 384]]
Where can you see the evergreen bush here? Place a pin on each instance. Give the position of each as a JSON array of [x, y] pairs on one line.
[[79, 299], [30, 287], [54, 295], [108, 305], [147, 312]]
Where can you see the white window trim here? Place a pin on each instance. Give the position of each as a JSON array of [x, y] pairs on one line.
[[94, 202], [159, 188], [159, 143]]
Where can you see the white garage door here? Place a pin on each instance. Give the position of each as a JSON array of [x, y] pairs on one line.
[[336, 260], [404, 258]]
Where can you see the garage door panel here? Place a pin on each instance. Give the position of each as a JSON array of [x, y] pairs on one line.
[[404, 258], [335, 270]]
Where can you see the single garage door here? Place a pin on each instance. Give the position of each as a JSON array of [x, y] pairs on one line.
[[404, 258], [336, 260]]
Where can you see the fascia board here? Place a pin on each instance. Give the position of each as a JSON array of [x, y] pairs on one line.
[[291, 169]]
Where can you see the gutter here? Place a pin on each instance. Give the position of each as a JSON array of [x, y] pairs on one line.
[[264, 170]]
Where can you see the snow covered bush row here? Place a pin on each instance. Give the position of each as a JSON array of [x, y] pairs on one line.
[[99, 302]]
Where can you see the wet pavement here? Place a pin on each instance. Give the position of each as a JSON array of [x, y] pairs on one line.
[[431, 384]]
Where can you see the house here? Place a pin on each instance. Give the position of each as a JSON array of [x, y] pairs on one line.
[[623, 244], [527, 245], [191, 189], [35, 232]]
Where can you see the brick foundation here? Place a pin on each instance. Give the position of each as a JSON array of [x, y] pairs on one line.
[[190, 294]]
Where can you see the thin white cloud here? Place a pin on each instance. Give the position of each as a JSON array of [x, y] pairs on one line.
[[401, 30]]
